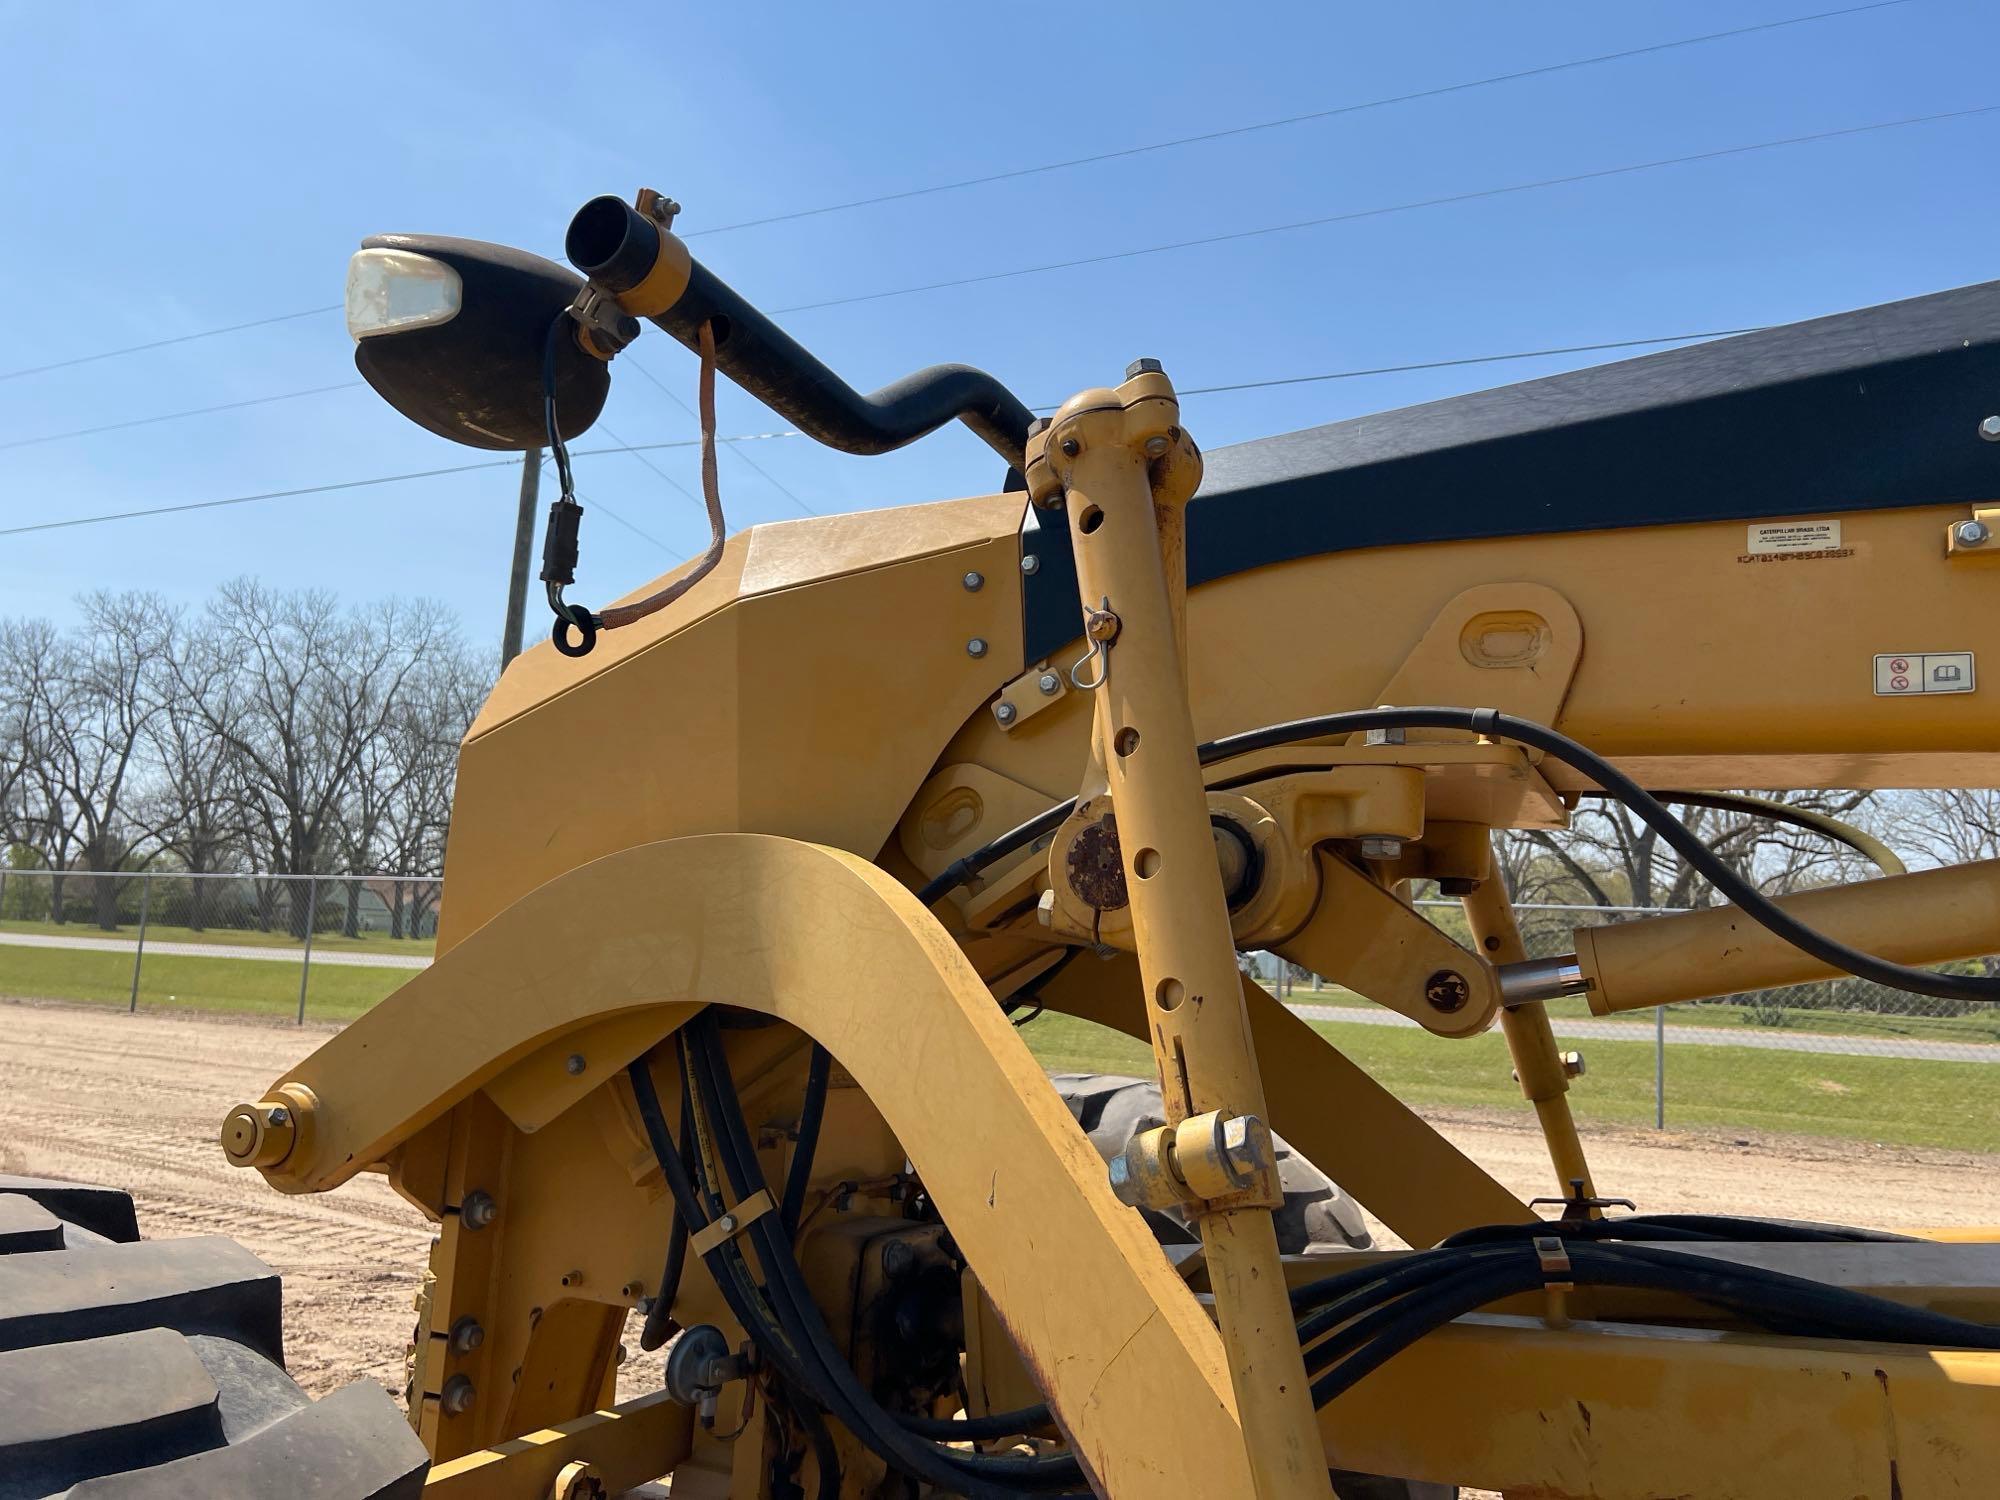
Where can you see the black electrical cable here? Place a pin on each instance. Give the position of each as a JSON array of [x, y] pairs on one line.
[[811, 1114], [1492, 724], [973, 1475]]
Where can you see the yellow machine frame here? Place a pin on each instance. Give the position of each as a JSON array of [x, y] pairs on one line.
[[757, 847]]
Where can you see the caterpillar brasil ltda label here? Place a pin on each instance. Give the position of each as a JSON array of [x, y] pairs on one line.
[[1902, 672], [1785, 538]]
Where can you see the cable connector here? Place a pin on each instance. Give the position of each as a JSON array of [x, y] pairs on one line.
[[559, 542]]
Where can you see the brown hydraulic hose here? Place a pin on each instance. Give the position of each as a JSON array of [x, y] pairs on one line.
[[711, 491]]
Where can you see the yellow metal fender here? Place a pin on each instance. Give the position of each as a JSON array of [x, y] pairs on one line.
[[828, 943]]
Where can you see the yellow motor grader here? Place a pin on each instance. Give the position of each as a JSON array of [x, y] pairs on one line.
[[750, 870]]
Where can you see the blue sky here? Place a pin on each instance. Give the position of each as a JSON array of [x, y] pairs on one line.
[[167, 169]]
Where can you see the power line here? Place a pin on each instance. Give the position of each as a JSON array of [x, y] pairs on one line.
[[1449, 364], [356, 484], [175, 416], [1300, 119], [599, 505], [1394, 208], [674, 396], [662, 473], [185, 338]]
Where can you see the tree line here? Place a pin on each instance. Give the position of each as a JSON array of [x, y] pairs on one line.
[[265, 731]]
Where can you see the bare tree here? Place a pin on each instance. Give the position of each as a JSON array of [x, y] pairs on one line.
[[112, 698], [415, 815], [41, 676], [312, 687], [193, 802], [1609, 857]]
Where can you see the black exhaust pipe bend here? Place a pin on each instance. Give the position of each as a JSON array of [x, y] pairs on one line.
[[618, 248]]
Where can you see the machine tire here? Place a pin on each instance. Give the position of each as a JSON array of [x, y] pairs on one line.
[[1376, 1487], [145, 1369], [1317, 1217]]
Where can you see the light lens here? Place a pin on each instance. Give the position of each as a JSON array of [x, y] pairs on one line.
[[389, 291]]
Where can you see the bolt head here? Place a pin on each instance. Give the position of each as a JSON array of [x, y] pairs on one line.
[[457, 1396], [1381, 848], [1242, 1144], [1006, 713], [1972, 533], [1140, 367], [1039, 426], [1573, 1065], [1045, 909], [478, 1210], [1156, 447], [976, 647], [1031, 565], [1049, 683], [467, 1335], [278, 1117], [1990, 429], [574, 1064], [974, 582]]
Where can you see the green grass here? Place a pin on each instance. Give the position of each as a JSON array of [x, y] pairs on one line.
[[1885, 1099], [160, 932], [1982, 1027], [336, 992]]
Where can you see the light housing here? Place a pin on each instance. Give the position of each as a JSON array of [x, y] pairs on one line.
[[467, 363], [391, 290]]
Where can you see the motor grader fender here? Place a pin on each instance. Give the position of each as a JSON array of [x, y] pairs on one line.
[[829, 944]]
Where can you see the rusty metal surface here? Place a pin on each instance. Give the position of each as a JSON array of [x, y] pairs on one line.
[[1096, 868]]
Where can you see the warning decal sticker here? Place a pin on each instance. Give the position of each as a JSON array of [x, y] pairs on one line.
[[1901, 672]]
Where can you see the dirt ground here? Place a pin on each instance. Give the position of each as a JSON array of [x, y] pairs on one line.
[[135, 1101]]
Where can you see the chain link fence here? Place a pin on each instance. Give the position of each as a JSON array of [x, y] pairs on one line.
[[1844, 1057], [320, 946]]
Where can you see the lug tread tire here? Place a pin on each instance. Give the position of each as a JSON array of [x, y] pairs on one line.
[[145, 1369]]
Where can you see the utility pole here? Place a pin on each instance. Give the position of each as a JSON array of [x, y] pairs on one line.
[[524, 548]]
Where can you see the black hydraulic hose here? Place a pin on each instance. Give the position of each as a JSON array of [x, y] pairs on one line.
[[1373, 1339], [1398, 1279], [1771, 1299], [617, 248], [961, 871], [811, 1113], [660, 1324], [800, 1314], [970, 1429], [1733, 887], [730, 1275], [1676, 1227], [1493, 724], [974, 1475], [1850, 1314], [826, 1457]]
